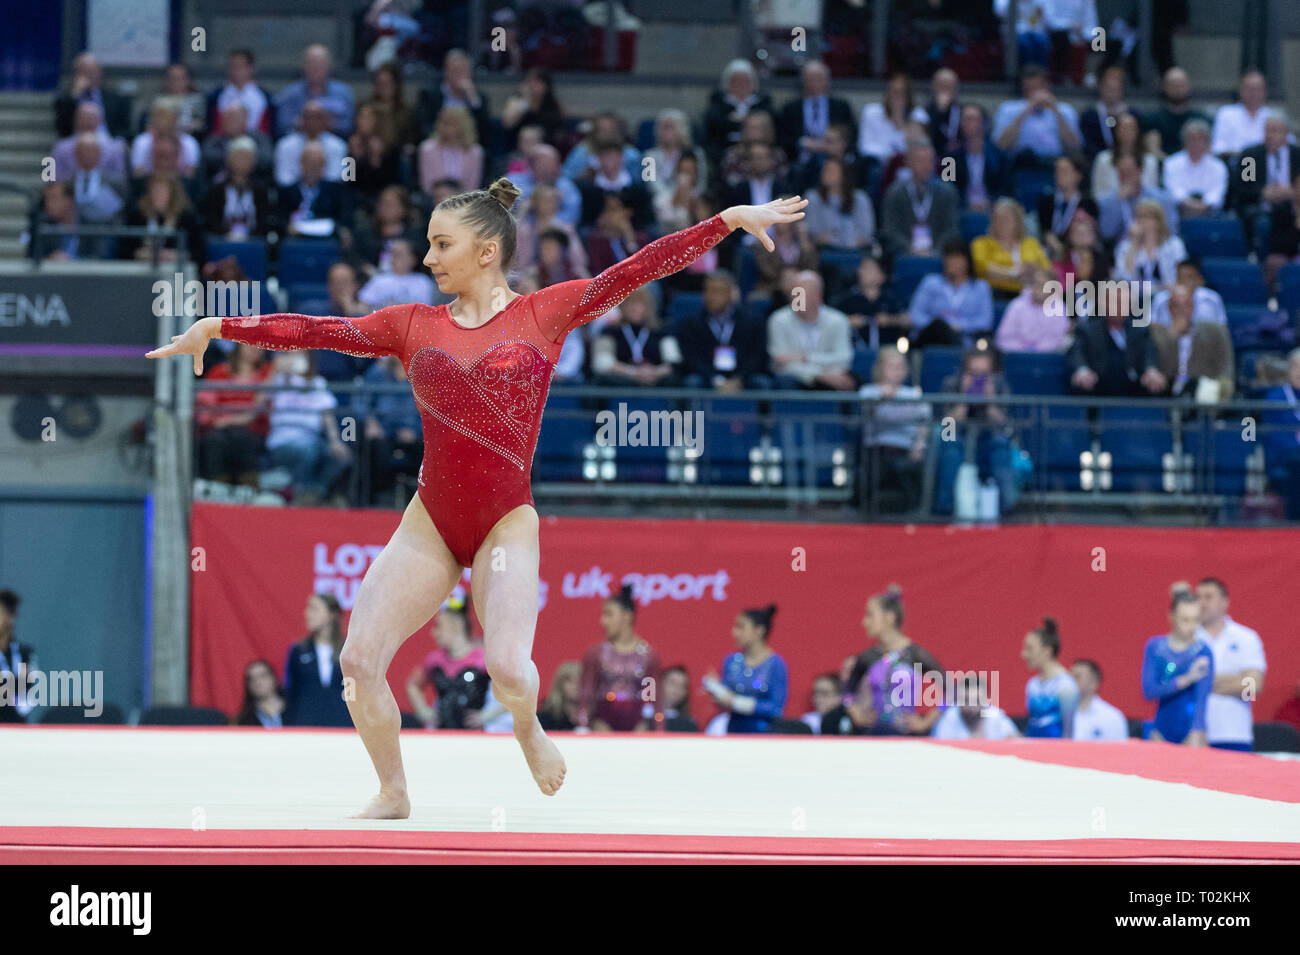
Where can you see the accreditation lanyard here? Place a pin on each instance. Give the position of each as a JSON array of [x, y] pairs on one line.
[[920, 208], [636, 343]]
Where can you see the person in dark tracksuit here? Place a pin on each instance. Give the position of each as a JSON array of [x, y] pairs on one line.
[[313, 679]]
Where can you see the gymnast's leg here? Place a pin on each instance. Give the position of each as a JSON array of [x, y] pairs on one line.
[[504, 584], [401, 591]]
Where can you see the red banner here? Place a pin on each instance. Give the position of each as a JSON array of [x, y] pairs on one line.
[[969, 594]]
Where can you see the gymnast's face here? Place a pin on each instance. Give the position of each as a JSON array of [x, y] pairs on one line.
[[744, 632], [1033, 652], [456, 255]]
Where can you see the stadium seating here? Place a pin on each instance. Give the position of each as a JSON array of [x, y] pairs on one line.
[[565, 435], [685, 304], [251, 255], [1214, 237], [1288, 288], [731, 432], [1034, 373], [1239, 282], [908, 272], [974, 225], [1137, 440], [864, 361], [306, 260], [937, 363]]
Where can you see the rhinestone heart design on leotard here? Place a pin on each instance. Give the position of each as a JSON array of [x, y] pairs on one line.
[[493, 401]]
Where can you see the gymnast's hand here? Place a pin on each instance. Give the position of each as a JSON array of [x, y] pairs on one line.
[[193, 341], [756, 220]]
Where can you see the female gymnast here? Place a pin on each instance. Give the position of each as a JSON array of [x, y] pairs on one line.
[[480, 368]]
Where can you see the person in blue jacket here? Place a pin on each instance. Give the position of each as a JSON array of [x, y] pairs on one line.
[[755, 681], [1178, 671]]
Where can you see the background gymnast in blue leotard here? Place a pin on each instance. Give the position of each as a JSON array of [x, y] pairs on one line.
[[1178, 671]]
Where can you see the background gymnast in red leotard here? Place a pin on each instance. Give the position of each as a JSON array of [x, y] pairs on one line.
[[479, 368]]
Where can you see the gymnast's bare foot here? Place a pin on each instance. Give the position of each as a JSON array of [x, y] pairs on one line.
[[544, 759], [387, 805]]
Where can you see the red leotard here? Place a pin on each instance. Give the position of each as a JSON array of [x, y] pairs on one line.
[[480, 390]]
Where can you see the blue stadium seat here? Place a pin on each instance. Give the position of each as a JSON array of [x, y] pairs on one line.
[[646, 463], [999, 309], [1231, 457], [306, 260], [1029, 185], [1137, 439], [937, 363], [814, 436], [309, 298], [864, 362], [757, 309], [746, 270], [645, 134], [1263, 225], [843, 261], [1222, 237], [250, 254], [908, 272], [1240, 319], [1034, 373], [973, 225], [1288, 287], [731, 429], [1239, 282], [564, 435], [685, 304], [1055, 441]]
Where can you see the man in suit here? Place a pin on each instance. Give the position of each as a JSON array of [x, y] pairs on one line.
[[234, 125], [315, 122], [241, 89], [920, 212], [98, 195], [87, 86], [719, 346], [810, 346], [980, 168], [1111, 356], [1264, 173], [312, 198], [944, 111], [1116, 212], [1098, 123], [316, 85], [803, 123], [87, 119], [611, 175], [455, 89], [760, 184]]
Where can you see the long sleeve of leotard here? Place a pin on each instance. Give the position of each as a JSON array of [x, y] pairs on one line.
[[1204, 687], [370, 336], [563, 307], [1158, 679]]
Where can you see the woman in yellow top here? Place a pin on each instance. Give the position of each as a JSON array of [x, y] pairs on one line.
[[1006, 256]]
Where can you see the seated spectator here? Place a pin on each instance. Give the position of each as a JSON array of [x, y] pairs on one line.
[[313, 679], [241, 88], [164, 205], [393, 436], [112, 152], [1110, 355], [825, 697], [896, 170], [1036, 320], [1263, 174], [1091, 267], [237, 206], [1056, 207], [394, 220], [720, 348], [377, 160], [951, 306], [760, 183], [982, 435], [559, 711], [164, 120], [1195, 177], [1033, 41], [755, 128], [980, 168], [165, 161], [314, 133], [313, 205], [58, 208], [633, 351], [1051, 695], [1118, 211], [611, 178], [555, 258], [544, 168], [1193, 352], [1282, 439], [232, 425], [871, 307], [1207, 304], [457, 88], [304, 433], [882, 126], [919, 215], [541, 214], [1178, 673], [1167, 122], [755, 680], [1240, 125], [1149, 253], [615, 235], [87, 86], [809, 342], [737, 97], [263, 703], [944, 112], [234, 126], [1080, 236], [967, 716], [614, 669], [533, 104], [673, 143], [607, 130], [838, 215], [1126, 141], [333, 96], [99, 196], [838, 143], [1095, 720], [394, 119], [895, 434], [792, 248], [457, 672], [677, 701], [401, 284], [883, 675], [1099, 125], [16, 658], [804, 122], [1036, 129], [452, 152], [178, 85], [1283, 232], [672, 206]]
